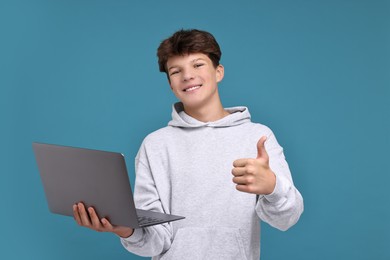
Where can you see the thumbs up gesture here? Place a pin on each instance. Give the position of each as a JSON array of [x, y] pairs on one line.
[[255, 175]]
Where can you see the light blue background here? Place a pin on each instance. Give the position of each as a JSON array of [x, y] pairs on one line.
[[85, 73]]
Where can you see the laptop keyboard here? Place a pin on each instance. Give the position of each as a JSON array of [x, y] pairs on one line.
[[143, 220]]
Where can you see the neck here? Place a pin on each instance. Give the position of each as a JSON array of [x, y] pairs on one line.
[[207, 113]]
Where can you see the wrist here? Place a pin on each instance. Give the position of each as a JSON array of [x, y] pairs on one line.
[[272, 183], [125, 233]]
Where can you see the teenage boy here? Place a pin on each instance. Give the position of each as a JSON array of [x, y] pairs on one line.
[[210, 164]]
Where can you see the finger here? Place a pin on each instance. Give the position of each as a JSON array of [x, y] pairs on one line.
[[238, 171], [76, 214], [245, 180], [240, 162], [241, 180], [106, 224], [261, 152], [94, 219], [244, 188], [84, 216]]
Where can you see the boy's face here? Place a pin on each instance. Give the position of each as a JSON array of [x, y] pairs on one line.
[[193, 79]]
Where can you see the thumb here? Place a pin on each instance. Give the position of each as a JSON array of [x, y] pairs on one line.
[[261, 152]]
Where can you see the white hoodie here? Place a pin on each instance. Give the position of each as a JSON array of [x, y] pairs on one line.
[[185, 169]]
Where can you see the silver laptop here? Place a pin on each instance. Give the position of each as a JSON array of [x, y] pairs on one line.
[[96, 178]]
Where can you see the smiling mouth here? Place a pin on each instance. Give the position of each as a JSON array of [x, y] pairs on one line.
[[192, 88]]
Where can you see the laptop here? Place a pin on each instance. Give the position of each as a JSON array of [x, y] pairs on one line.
[[96, 178]]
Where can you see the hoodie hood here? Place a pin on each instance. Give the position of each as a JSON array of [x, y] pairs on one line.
[[238, 116]]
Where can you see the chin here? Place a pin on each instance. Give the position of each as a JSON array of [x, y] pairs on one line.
[[193, 104]]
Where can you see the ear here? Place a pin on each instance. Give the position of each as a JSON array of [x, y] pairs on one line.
[[219, 72]]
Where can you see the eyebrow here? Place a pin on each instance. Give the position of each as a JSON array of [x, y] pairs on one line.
[[172, 67], [193, 61]]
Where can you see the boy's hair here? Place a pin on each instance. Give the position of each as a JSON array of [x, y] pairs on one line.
[[185, 42]]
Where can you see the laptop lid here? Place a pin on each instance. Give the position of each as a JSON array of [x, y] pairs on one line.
[[96, 178]]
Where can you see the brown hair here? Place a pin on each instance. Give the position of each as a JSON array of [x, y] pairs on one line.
[[185, 42]]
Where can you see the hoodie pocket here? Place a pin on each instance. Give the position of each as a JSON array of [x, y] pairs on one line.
[[206, 243]]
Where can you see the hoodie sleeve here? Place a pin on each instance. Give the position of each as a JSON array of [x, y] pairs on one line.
[[283, 207], [154, 240]]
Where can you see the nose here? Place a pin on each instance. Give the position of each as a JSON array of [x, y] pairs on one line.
[[188, 74]]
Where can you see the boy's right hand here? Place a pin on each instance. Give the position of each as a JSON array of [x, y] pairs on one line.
[[91, 220]]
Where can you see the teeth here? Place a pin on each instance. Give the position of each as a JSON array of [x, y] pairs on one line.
[[193, 88]]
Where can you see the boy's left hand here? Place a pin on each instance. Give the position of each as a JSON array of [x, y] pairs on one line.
[[255, 175]]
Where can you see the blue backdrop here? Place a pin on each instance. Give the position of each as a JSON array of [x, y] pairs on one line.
[[85, 73]]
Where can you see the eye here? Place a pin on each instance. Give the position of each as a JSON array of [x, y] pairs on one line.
[[174, 72], [197, 65]]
